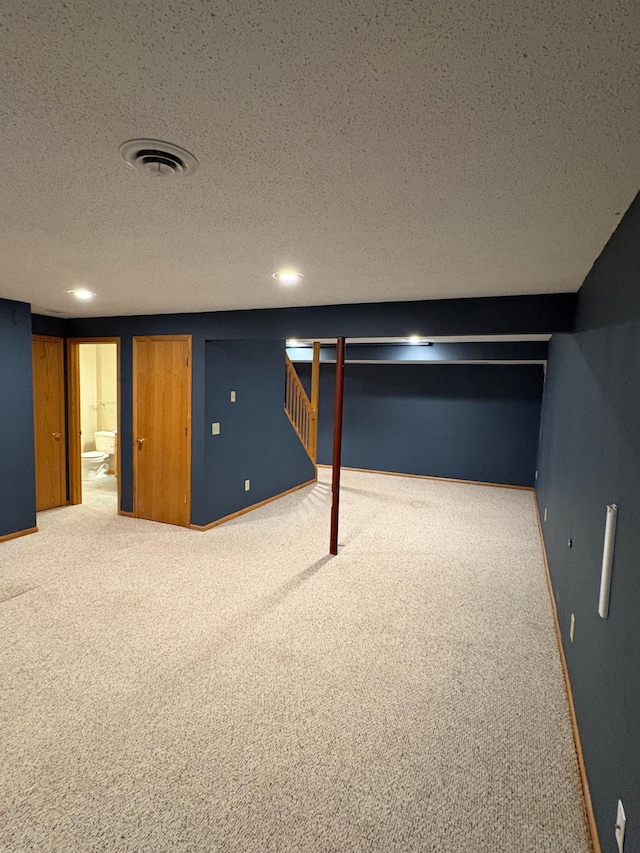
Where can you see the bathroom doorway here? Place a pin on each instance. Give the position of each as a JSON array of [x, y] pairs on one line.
[[94, 412]]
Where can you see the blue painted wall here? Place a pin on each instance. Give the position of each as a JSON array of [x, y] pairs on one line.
[[256, 440], [589, 457], [468, 422], [531, 314], [43, 324], [611, 292], [540, 314], [17, 471], [273, 455]]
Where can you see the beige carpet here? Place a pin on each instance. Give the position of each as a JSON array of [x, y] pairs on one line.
[[237, 690]]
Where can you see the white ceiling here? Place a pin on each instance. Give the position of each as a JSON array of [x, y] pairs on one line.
[[389, 149]]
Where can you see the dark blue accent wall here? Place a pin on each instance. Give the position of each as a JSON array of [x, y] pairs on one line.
[[467, 422], [611, 292], [43, 324], [540, 314], [256, 364], [256, 440], [17, 471], [589, 457], [500, 315]]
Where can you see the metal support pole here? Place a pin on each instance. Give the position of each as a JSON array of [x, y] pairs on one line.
[[337, 444]]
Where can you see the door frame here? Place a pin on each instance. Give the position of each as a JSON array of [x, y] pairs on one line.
[[61, 403], [73, 393], [161, 339]]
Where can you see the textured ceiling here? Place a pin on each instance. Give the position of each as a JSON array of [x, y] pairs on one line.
[[390, 150]]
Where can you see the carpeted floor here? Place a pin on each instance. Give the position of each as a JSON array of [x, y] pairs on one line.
[[238, 690]]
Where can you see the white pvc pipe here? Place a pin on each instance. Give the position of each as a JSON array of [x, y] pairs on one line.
[[607, 560]]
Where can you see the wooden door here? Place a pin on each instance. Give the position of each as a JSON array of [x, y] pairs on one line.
[[162, 428], [48, 405]]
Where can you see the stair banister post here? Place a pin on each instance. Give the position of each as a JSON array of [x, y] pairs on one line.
[[315, 396], [337, 445]]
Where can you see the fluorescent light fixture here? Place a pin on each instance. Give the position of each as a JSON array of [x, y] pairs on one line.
[[82, 294], [288, 276], [414, 339]]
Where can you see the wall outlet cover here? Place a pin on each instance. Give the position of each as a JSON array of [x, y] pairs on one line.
[[545, 513], [232, 396], [247, 485], [621, 823], [573, 627], [215, 429]]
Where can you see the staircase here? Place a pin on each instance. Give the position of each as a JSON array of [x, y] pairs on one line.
[[302, 411]]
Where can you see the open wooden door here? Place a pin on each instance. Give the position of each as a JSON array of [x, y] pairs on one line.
[[162, 428], [48, 404]]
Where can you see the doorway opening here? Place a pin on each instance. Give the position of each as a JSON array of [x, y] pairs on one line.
[[94, 412]]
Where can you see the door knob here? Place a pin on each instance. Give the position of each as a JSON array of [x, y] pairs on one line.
[[56, 435], [140, 440]]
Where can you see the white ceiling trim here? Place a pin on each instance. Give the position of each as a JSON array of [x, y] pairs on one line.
[[438, 339]]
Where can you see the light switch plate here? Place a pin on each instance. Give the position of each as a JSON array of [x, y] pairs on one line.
[[232, 397], [215, 429], [247, 485], [573, 627], [621, 823]]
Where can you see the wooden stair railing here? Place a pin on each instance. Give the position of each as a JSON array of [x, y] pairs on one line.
[[302, 411]]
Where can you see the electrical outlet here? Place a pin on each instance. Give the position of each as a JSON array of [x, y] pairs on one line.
[[215, 429], [572, 629], [569, 543], [232, 397], [621, 822], [536, 475], [247, 485], [545, 513]]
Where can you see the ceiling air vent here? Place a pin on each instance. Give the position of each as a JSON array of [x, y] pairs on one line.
[[158, 159]]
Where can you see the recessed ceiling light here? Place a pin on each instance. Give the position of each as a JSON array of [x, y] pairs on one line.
[[288, 276], [82, 294]]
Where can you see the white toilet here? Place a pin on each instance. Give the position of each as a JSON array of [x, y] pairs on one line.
[[106, 443], [93, 464], [96, 463]]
